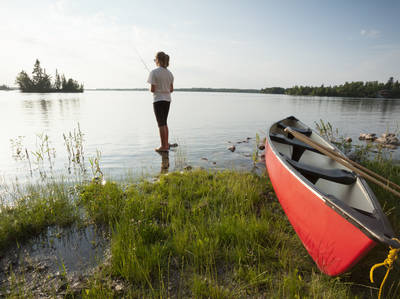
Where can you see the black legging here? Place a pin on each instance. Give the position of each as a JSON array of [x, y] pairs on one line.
[[161, 109]]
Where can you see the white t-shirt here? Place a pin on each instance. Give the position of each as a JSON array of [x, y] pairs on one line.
[[162, 78]]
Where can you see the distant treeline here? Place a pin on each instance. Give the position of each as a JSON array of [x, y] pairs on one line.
[[4, 87], [202, 89], [274, 90], [41, 81], [193, 89], [372, 89]]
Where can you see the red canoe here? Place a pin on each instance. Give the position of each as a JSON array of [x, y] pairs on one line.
[[333, 211]]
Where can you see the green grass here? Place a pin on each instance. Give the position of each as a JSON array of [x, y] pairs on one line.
[[391, 206], [391, 171], [205, 235], [35, 209], [196, 234], [103, 203]]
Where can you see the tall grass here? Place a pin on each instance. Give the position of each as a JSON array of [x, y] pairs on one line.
[[44, 199], [206, 235], [34, 209]]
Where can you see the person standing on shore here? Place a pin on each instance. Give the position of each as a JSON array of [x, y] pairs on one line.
[[162, 85]]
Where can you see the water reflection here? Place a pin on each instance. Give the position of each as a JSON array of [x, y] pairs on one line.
[[67, 105], [381, 106], [46, 107], [121, 124], [77, 250], [164, 162], [368, 105]]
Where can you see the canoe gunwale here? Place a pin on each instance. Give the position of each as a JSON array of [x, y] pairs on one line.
[[376, 227]]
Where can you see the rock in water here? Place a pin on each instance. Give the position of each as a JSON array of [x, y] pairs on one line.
[[387, 135], [370, 136], [393, 140], [380, 140]]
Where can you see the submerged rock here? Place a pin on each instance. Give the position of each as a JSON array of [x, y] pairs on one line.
[[388, 140], [388, 135], [380, 140], [369, 136], [393, 140]]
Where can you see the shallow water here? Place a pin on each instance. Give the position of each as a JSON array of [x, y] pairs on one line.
[[43, 261], [122, 126]]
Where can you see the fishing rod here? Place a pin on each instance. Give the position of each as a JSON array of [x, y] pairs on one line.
[[141, 59]]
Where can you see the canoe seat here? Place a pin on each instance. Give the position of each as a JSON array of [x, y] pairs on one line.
[[298, 146], [306, 132], [313, 174]]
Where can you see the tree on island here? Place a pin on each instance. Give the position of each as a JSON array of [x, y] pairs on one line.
[[41, 81], [372, 89], [4, 87]]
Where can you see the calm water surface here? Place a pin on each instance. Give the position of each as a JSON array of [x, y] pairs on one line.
[[121, 124]]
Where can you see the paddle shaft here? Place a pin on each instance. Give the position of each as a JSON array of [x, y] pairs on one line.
[[339, 159], [355, 164]]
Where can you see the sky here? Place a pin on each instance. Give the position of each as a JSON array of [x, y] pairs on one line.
[[219, 44]]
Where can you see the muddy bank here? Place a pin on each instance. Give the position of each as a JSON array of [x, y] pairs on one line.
[[59, 261]]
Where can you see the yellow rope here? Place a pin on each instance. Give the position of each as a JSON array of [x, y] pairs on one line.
[[388, 263]]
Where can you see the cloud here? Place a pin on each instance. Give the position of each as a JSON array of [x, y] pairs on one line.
[[371, 33]]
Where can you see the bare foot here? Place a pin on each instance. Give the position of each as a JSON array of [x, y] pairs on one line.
[[161, 150]]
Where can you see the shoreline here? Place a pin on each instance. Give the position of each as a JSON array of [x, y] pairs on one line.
[[211, 90], [191, 233]]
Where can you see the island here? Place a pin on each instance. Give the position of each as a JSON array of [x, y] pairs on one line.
[[4, 87], [41, 81]]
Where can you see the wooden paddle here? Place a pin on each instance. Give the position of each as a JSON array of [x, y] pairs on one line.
[[355, 164], [357, 168]]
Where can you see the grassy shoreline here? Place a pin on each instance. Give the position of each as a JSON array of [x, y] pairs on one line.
[[195, 234]]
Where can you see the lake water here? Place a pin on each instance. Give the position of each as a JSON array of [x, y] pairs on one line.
[[122, 126]]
